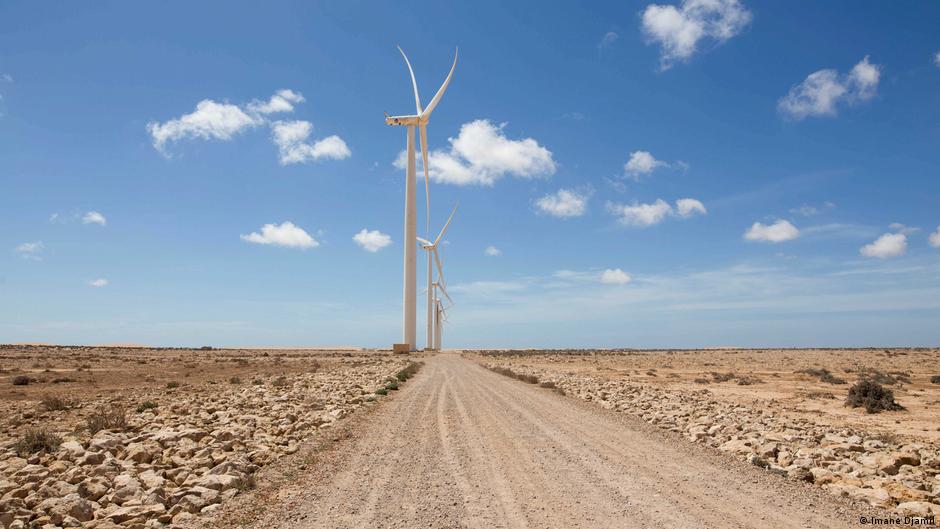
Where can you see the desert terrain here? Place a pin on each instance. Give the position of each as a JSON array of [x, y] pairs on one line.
[[150, 438]]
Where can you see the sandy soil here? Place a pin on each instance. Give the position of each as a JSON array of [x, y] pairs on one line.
[[460, 446], [778, 380]]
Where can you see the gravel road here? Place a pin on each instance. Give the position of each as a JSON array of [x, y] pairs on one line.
[[460, 446]]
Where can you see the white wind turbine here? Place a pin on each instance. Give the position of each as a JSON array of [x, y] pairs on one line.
[[431, 249], [420, 119], [440, 316]]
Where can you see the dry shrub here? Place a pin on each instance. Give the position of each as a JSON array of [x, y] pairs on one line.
[[823, 375], [935, 379], [21, 380], [172, 384], [872, 396], [747, 381], [722, 377], [62, 380], [701, 381], [55, 403], [234, 380], [37, 440], [279, 382], [107, 419]]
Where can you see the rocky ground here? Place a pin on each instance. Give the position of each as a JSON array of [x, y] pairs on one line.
[[782, 410], [144, 438]]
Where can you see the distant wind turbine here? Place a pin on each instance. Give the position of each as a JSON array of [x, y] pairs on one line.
[[431, 249], [420, 119]]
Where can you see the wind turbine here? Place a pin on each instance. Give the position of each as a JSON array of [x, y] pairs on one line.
[[419, 119], [440, 317], [431, 248]]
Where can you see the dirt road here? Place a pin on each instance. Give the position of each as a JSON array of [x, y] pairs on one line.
[[460, 446]]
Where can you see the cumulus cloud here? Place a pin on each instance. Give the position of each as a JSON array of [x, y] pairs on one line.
[[608, 40], [492, 251], [903, 228], [31, 250], [223, 121], [563, 204], [687, 207], [679, 29], [934, 238], [98, 283], [642, 163], [286, 234], [93, 217], [281, 101], [888, 245], [372, 241], [643, 215], [822, 92], [481, 154], [614, 276], [779, 231], [210, 120], [291, 140]]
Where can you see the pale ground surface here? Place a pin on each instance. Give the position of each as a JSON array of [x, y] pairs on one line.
[[780, 384], [460, 446]]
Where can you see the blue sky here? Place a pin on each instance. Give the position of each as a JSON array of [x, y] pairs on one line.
[[692, 174]]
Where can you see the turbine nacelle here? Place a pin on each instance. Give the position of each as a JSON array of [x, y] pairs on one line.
[[404, 121]]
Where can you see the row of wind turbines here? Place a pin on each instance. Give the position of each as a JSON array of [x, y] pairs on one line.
[[436, 311]]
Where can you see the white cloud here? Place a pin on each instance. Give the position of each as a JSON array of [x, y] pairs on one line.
[[903, 228], [638, 214], [821, 92], [210, 120], [290, 138], [642, 163], [492, 251], [372, 241], [936, 59], [287, 235], [31, 250], [481, 154], [564, 203], [687, 207], [934, 238], [614, 276], [7, 78], [608, 40], [888, 245], [98, 283], [282, 101], [93, 217], [779, 231], [641, 214], [679, 30]]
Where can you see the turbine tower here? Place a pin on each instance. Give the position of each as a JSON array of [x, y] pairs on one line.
[[431, 248], [419, 119]]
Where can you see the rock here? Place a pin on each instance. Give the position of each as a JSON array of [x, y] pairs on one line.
[[71, 450], [124, 514], [801, 474], [143, 452], [150, 479], [126, 488], [93, 488], [219, 482], [92, 458], [917, 508]]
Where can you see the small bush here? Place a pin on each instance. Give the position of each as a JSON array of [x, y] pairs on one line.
[[21, 380], [701, 381], [55, 403], [234, 380], [393, 385], [112, 419], [820, 395], [409, 371], [548, 384], [172, 384], [531, 379], [935, 379], [37, 440], [381, 391], [722, 377], [279, 382], [257, 382], [147, 405], [823, 375], [62, 380], [747, 381], [872, 396]]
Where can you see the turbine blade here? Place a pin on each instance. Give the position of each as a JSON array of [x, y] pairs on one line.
[[440, 271], [444, 229], [414, 84], [437, 97], [427, 183], [444, 291], [424, 241]]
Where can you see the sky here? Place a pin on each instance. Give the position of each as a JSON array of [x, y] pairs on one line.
[[629, 174]]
